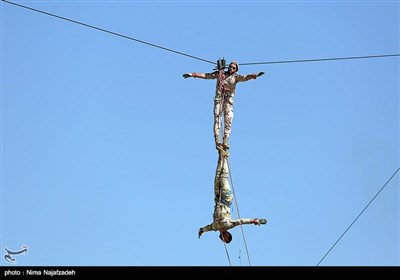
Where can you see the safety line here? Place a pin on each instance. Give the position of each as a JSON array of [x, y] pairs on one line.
[[237, 210], [227, 253], [359, 215]]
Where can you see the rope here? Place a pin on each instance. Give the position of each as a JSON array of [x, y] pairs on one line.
[[227, 254], [237, 210], [221, 78]]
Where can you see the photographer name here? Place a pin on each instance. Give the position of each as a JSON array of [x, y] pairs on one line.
[[48, 272]]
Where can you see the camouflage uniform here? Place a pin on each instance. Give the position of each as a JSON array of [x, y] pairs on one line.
[[223, 201], [224, 100]]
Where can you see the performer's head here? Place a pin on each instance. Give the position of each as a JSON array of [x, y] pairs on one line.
[[233, 67], [225, 236]]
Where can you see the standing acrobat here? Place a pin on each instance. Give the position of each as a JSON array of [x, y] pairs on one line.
[[224, 97]]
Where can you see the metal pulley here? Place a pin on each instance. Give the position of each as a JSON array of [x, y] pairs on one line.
[[221, 64]]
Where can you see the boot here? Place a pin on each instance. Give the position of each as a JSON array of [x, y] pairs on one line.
[[258, 222], [225, 144]]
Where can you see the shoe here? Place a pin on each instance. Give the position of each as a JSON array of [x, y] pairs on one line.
[[262, 221], [200, 232], [259, 221], [225, 144]]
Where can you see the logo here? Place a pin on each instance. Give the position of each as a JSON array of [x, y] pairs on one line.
[[8, 256]]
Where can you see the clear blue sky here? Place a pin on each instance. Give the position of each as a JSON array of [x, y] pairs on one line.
[[108, 157]]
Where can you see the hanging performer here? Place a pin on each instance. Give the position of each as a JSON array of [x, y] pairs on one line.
[[222, 221], [224, 97]]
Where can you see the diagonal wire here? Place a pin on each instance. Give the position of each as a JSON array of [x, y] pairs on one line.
[[359, 215], [108, 31]]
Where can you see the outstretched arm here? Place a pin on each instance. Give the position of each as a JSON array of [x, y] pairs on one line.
[[255, 221], [253, 76], [194, 75], [205, 229]]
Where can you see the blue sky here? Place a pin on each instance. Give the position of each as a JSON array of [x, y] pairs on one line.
[[108, 157]]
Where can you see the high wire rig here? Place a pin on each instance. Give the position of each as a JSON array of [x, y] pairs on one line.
[[219, 65]]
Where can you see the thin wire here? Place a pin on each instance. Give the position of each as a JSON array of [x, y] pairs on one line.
[[320, 59], [359, 215], [227, 253], [237, 209], [107, 31], [191, 56]]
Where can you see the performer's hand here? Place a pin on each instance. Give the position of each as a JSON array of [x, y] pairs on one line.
[[187, 75], [260, 74], [200, 232]]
